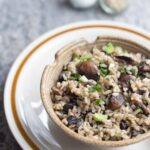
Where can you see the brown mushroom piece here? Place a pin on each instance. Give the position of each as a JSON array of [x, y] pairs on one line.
[[142, 106], [89, 69], [143, 68], [125, 58], [87, 83], [115, 102], [124, 80], [133, 132]]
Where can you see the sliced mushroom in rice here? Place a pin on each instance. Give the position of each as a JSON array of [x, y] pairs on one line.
[[89, 69], [141, 105], [126, 59], [124, 81], [143, 68], [115, 102]]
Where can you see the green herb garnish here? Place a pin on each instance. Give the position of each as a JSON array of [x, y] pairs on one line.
[[99, 102], [87, 58], [133, 71], [96, 87], [109, 49], [140, 110], [117, 136], [83, 79], [103, 71], [75, 76], [100, 117], [101, 61], [64, 68], [122, 69], [74, 56]]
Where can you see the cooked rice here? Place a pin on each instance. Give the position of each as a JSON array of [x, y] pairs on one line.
[[115, 104]]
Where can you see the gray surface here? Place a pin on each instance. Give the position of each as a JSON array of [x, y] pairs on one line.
[[21, 21]]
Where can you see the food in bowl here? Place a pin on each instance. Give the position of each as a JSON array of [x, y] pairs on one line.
[[104, 94]]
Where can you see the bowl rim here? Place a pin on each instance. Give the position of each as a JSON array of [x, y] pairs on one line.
[[67, 130]]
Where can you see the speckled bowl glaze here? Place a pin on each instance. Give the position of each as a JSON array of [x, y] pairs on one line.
[[51, 74]]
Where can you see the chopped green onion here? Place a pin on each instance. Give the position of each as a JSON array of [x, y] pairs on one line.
[[103, 71], [133, 71], [74, 56], [83, 79], [87, 58], [117, 135], [109, 48], [99, 102], [100, 117], [122, 69], [101, 61], [75, 76], [64, 68], [140, 110], [96, 87]]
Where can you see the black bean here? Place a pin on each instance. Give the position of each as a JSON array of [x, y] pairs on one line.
[[116, 102], [124, 125], [73, 98], [141, 92], [68, 106], [83, 115], [72, 120], [61, 78]]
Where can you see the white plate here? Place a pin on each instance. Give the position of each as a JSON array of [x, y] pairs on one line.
[[24, 110]]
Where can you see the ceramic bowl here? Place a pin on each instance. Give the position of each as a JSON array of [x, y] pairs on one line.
[[51, 74]]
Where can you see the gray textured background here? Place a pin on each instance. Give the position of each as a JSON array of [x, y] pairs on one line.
[[21, 21]]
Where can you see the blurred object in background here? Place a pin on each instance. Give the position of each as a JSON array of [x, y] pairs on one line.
[[113, 6], [109, 6], [82, 3]]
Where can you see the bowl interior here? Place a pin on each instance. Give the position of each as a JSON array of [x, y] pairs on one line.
[[51, 74]]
